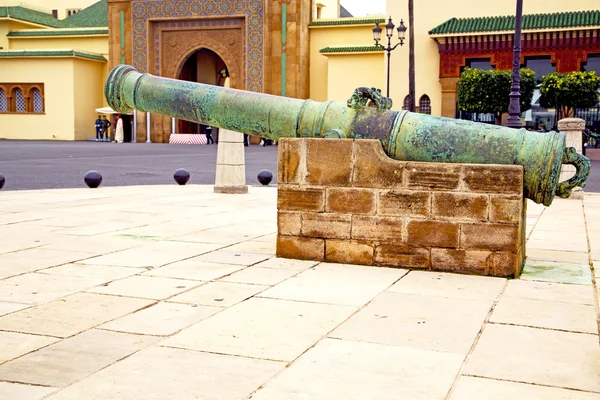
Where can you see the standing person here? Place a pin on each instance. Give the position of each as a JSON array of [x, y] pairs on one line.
[[105, 125], [119, 130], [98, 129], [246, 139], [209, 138]]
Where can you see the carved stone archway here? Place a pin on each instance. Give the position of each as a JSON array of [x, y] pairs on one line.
[[175, 40], [236, 73]]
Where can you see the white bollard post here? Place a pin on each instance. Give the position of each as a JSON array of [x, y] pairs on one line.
[[231, 164], [134, 134], [148, 128]]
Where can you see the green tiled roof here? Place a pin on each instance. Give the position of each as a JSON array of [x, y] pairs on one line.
[[346, 21], [50, 53], [349, 49], [58, 32], [95, 15], [507, 23], [27, 15]]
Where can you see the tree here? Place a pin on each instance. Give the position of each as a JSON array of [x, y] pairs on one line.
[[566, 92], [487, 91]]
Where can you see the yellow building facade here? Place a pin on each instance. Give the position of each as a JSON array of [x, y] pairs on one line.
[[53, 65], [429, 14], [52, 70]]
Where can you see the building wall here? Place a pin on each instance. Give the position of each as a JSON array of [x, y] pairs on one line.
[[321, 37], [57, 123], [329, 9], [349, 71], [88, 95], [7, 26], [93, 44], [428, 14], [264, 61], [60, 5]]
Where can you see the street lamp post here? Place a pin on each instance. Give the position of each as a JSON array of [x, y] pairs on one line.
[[514, 107], [389, 32]]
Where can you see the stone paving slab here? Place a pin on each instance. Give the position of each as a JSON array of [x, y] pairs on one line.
[[270, 329], [176, 293], [174, 374], [70, 315], [423, 325], [11, 391], [469, 388], [538, 356], [72, 359], [347, 370], [146, 287], [7, 308]]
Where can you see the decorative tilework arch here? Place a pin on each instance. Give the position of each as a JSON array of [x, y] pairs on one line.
[[146, 12], [425, 104], [19, 103], [406, 103], [21, 97], [36, 100], [229, 59], [3, 101]]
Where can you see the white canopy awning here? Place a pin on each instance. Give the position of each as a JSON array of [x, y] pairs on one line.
[[108, 110]]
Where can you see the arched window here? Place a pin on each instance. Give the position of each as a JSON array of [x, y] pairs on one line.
[[20, 105], [38, 101], [406, 104], [425, 105], [3, 101]]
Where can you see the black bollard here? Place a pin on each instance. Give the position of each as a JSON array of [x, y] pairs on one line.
[[93, 179], [181, 176], [2, 181], [265, 177]]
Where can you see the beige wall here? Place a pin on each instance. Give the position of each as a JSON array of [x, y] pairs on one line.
[[348, 71], [7, 26], [353, 35], [430, 13], [94, 44], [88, 95], [60, 5], [329, 8], [57, 121]]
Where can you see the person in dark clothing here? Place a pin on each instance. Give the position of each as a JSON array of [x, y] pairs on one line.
[[246, 139], [105, 125], [209, 138], [98, 125]]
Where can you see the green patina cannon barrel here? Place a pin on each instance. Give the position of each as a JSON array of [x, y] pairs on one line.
[[405, 136]]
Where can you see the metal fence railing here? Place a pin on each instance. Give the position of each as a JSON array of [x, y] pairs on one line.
[[476, 117]]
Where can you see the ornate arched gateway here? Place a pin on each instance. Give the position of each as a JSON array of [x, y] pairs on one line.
[[264, 43]]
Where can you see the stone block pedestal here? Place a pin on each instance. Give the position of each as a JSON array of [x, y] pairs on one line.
[[346, 201]]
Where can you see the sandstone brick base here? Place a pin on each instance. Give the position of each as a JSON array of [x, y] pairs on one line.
[[345, 201]]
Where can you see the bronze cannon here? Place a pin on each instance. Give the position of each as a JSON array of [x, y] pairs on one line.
[[404, 135]]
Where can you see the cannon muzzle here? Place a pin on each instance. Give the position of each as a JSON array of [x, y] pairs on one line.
[[405, 136]]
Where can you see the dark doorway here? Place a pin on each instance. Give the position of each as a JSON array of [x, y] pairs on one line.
[[127, 128], [202, 66]]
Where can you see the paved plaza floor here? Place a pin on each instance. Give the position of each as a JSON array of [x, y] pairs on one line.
[[174, 292]]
